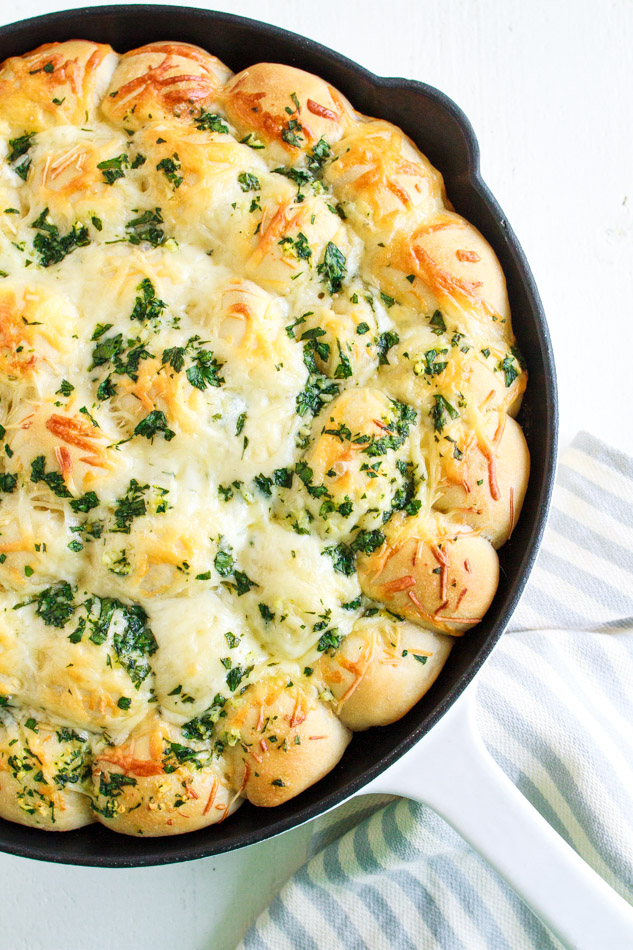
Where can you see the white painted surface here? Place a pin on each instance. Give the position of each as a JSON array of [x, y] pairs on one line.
[[547, 87]]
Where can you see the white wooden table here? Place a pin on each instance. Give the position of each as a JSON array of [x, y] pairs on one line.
[[547, 87]]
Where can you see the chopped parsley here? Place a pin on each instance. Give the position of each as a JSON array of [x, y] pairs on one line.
[[235, 676], [210, 122], [205, 371], [106, 389], [99, 330], [125, 357], [112, 168], [317, 159], [111, 788], [241, 420], [85, 502], [439, 412], [248, 181], [147, 306], [132, 505], [170, 168], [344, 368], [53, 247], [53, 479], [243, 583], [430, 366], [19, 147], [342, 558], [133, 642], [384, 342], [283, 477], [437, 322], [152, 424], [343, 555], [65, 388], [146, 228], [333, 267], [224, 563], [266, 613], [329, 641], [174, 356], [292, 133], [201, 728], [299, 246], [8, 482], [264, 483], [56, 605], [508, 368]]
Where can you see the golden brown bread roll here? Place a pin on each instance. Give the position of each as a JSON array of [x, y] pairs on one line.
[[486, 487], [283, 740], [285, 108], [443, 582], [55, 84], [382, 670], [44, 775], [154, 784], [162, 81]]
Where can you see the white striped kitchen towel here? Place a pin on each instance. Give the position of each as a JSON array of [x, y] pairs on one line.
[[555, 707]]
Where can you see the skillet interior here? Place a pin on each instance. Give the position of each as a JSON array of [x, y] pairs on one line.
[[444, 134]]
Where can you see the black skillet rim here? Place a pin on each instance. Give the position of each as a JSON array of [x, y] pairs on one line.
[[95, 846]]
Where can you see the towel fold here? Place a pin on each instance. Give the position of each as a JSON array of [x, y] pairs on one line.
[[555, 708]]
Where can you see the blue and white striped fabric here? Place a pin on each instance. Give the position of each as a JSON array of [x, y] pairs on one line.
[[555, 707]]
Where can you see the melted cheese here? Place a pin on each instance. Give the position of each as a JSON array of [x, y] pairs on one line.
[[241, 338]]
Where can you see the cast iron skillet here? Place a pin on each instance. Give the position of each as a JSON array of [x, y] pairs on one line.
[[444, 134]]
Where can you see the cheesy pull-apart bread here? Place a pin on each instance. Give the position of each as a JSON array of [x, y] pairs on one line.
[[258, 388]]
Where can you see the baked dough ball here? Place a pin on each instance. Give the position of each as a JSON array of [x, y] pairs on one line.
[[36, 330], [156, 784], [454, 269], [55, 84], [346, 334], [62, 452], [162, 81], [83, 659], [381, 178], [468, 374], [381, 670], [284, 741], [443, 582], [34, 542], [486, 487], [193, 667], [291, 245], [286, 109], [351, 466], [86, 179], [291, 619], [44, 775]]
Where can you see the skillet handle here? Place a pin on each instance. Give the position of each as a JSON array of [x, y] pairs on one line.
[[452, 771]]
